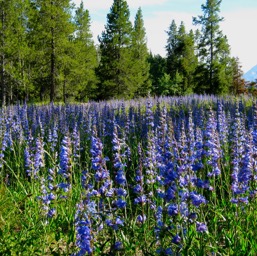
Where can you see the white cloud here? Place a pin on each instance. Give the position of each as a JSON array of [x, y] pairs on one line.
[[97, 28], [239, 26]]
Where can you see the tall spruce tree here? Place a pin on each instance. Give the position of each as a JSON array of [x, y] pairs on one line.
[[189, 62], [86, 57], [116, 68], [140, 55], [214, 52], [181, 58], [171, 49], [50, 30]]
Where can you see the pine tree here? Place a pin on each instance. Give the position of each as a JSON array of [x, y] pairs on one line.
[[84, 59], [214, 51], [140, 55], [115, 71], [50, 31], [171, 48], [187, 59], [181, 58]]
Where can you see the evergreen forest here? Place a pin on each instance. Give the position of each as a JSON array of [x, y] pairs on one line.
[[47, 54]]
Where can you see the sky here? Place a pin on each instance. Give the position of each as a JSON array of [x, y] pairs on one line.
[[239, 25]]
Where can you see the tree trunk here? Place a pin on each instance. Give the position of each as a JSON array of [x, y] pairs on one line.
[[211, 64], [64, 91]]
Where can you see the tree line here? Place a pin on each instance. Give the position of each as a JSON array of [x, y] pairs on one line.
[[47, 53]]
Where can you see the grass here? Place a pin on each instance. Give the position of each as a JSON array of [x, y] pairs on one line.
[[167, 221]]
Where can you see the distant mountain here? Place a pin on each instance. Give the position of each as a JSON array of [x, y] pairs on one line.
[[251, 75]]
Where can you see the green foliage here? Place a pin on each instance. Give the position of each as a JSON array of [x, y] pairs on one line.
[[47, 53], [158, 68], [50, 28], [169, 86], [141, 65], [85, 57], [14, 51], [213, 51], [181, 58], [123, 70]]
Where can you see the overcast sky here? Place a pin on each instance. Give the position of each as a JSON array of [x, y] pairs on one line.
[[240, 24]]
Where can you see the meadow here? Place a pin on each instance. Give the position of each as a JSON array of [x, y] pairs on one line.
[[155, 176]]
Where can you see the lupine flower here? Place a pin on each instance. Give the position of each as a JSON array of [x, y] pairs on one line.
[[115, 224], [120, 178], [172, 209], [53, 138], [237, 151], [159, 216], [101, 175], [149, 115], [46, 198], [75, 141], [197, 199], [212, 148], [140, 199], [162, 251], [176, 239], [65, 157], [28, 161], [118, 246], [120, 203], [38, 157], [84, 236], [141, 219], [201, 227]]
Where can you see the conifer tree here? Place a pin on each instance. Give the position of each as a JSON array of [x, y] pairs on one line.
[[140, 55], [171, 48], [187, 59], [181, 58], [214, 51], [115, 71], [83, 75], [51, 29]]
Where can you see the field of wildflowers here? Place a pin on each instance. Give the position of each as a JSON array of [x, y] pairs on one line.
[[157, 176]]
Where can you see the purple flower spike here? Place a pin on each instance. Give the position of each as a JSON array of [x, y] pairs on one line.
[[176, 239], [201, 227]]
